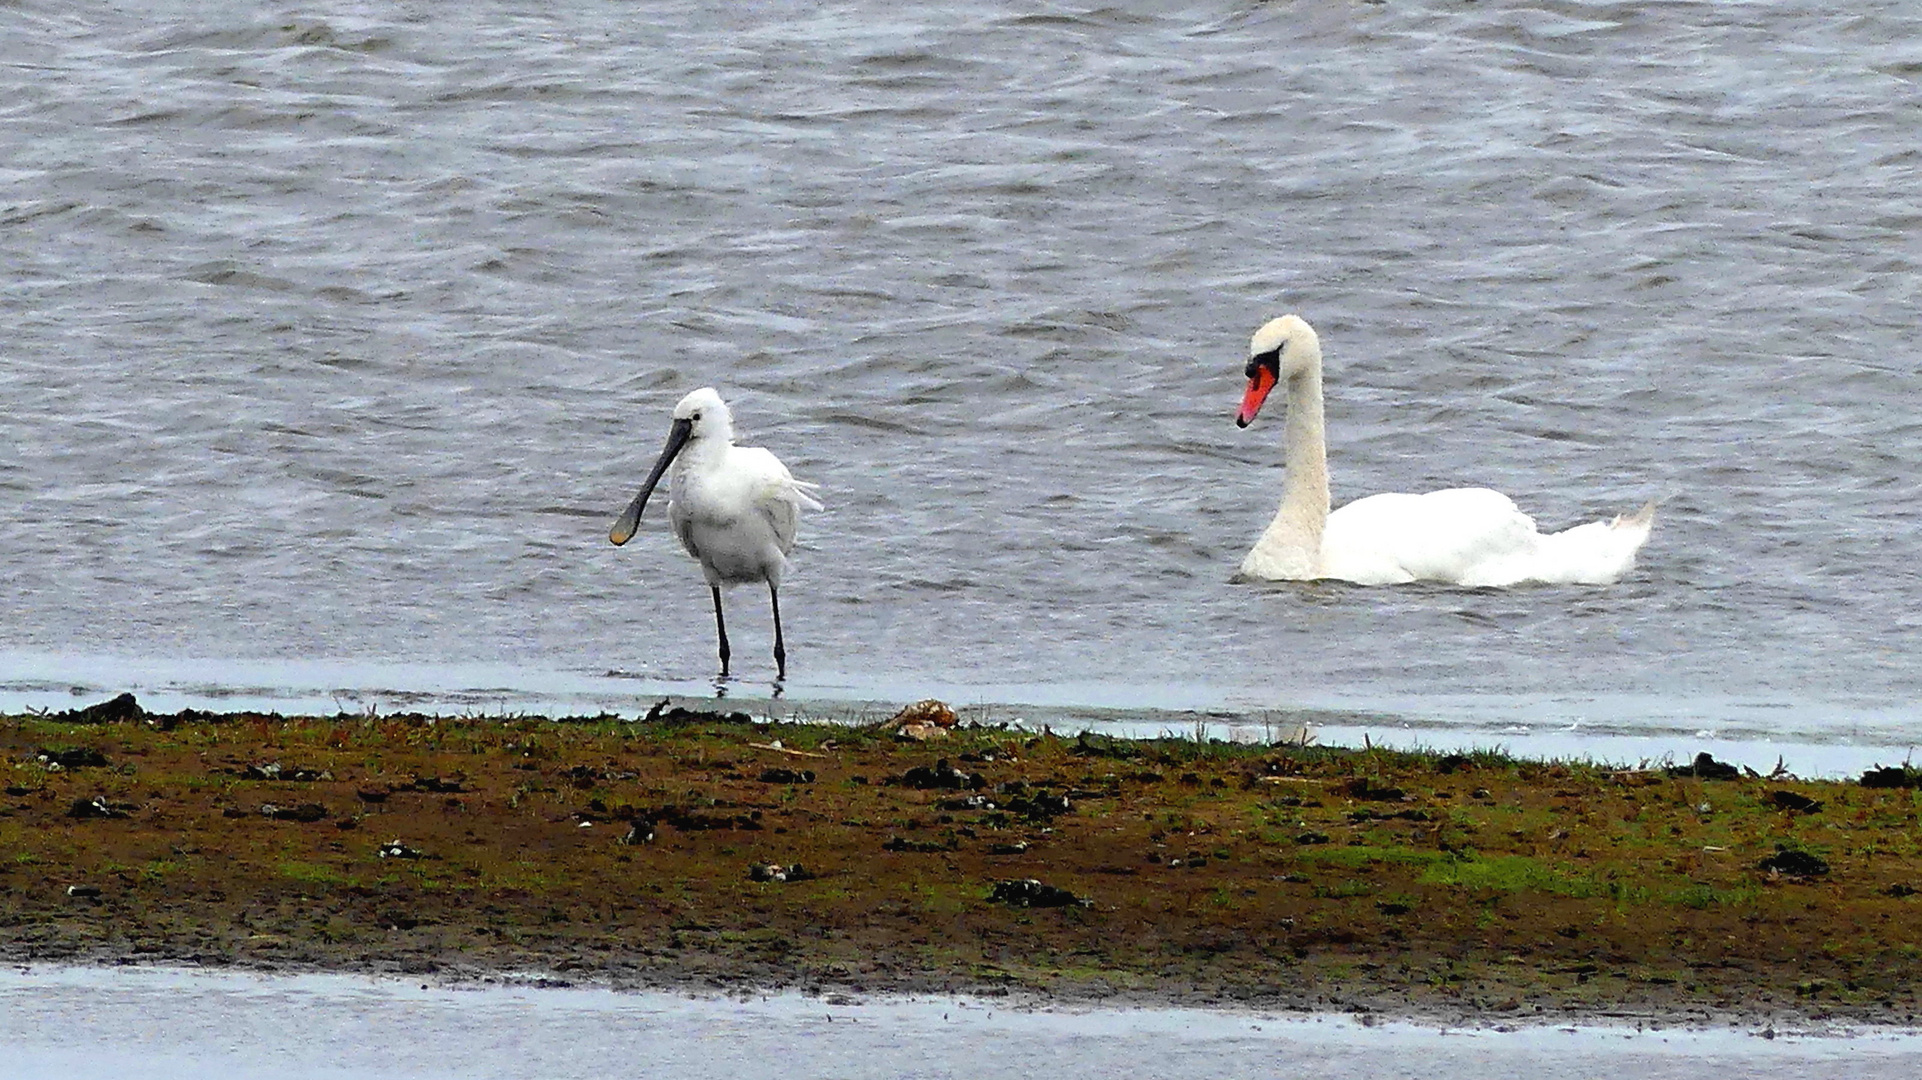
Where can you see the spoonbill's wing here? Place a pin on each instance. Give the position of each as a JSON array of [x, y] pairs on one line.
[[778, 496]]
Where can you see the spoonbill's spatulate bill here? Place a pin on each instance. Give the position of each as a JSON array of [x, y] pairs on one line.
[[734, 507], [1459, 536]]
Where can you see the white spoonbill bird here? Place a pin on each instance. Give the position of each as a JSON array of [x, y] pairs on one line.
[[1459, 536], [734, 507]]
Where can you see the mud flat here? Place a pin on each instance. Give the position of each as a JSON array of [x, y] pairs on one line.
[[702, 850]]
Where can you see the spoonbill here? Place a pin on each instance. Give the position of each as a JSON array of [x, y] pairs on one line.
[[733, 507], [1458, 536]]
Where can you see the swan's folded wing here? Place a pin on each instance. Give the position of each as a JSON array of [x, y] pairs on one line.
[[1468, 536]]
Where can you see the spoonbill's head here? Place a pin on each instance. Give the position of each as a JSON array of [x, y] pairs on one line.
[[1282, 349], [700, 415], [706, 415]]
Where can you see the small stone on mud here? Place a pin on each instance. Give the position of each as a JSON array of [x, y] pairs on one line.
[[1892, 777], [397, 919], [1030, 892], [929, 715], [439, 785], [1363, 788], [1705, 767], [84, 757], [777, 872], [1041, 807], [1018, 848], [942, 775], [305, 812], [1796, 863], [272, 770], [896, 843], [119, 709], [663, 713], [1792, 800], [96, 807]]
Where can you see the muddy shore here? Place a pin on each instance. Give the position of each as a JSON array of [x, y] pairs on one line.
[[707, 851]]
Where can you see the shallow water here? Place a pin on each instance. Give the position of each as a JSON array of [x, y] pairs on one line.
[[140, 1023], [338, 335]]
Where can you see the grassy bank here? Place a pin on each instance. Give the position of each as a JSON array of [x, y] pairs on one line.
[[663, 852]]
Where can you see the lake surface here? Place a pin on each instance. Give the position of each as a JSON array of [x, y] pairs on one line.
[[137, 1024], [337, 334]]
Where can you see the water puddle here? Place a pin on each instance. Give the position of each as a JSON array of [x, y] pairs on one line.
[[137, 1022]]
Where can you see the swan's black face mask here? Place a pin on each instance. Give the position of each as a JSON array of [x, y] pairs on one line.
[[1264, 371]]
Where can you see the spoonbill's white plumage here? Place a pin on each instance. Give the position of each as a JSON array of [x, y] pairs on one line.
[[734, 507], [1459, 536]]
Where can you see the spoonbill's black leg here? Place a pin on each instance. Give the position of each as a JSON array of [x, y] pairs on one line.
[[780, 649], [720, 626]]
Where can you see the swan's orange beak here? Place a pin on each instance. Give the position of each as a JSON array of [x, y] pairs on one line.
[[1259, 384]]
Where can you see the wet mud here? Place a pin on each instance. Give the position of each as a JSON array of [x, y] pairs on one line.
[[700, 850]]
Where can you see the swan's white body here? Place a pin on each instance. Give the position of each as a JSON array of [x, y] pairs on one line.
[[1459, 536], [734, 508]]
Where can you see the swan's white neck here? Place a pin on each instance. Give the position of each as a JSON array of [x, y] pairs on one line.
[[1291, 547]]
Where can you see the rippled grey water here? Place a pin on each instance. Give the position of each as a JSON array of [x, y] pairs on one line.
[[136, 1024], [339, 332]]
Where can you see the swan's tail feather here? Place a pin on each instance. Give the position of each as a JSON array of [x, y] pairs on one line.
[[1640, 519], [1597, 553]]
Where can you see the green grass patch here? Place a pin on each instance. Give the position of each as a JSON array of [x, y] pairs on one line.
[[310, 872], [1354, 857], [943, 898], [1507, 873], [1699, 896]]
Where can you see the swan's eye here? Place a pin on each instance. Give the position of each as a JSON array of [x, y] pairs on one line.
[[1270, 359]]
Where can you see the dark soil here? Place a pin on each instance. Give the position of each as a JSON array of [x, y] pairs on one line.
[[700, 850]]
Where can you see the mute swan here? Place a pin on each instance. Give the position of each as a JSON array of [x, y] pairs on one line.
[[734, 507], [1459, 536]]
